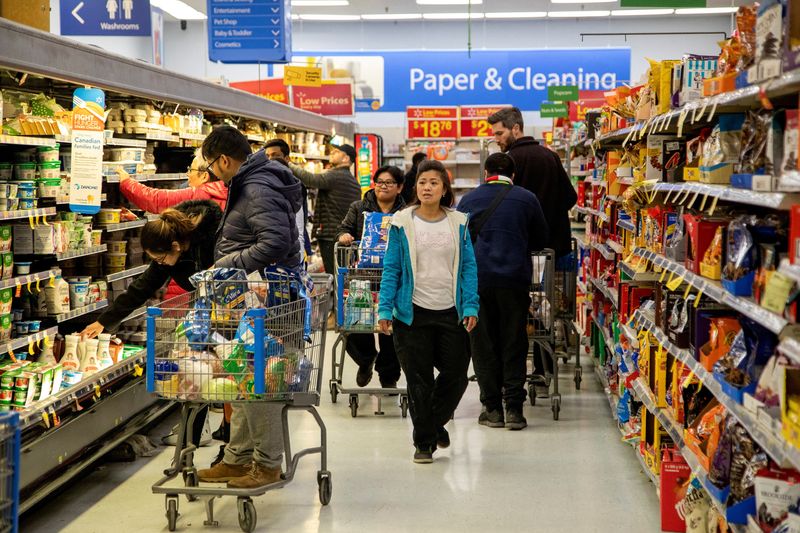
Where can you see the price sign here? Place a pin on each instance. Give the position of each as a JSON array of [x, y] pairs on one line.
[[432, 122], [473, 124]]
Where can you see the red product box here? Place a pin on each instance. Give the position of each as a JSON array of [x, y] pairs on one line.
[[581, 193], [630, 298], [699, 232], [673, 481], [794, 235]]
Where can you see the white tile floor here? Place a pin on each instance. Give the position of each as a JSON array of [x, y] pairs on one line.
[[570, 475]]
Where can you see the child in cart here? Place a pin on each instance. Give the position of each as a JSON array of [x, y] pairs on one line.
[[384, 198], [429, 295]]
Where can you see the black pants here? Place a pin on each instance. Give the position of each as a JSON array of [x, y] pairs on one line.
[[436, 339], [361, 347], [197, 428], [499, 345], [326, 251]]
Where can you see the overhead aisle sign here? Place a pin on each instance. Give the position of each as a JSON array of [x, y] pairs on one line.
[[249, 31], [105, 17], [432, 122]]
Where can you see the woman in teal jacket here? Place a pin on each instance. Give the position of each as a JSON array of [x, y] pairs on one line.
[[429, 295]]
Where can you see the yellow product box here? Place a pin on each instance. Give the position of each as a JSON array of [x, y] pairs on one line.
[[691, 174], [711, 271], [652, 439], [665, 85], [719, 174], [790, 405]]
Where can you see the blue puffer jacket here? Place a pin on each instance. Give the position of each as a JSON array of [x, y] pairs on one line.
[[259, 227], [400, 263]]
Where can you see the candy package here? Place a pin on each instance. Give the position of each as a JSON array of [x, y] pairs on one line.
[[755, 158], [720, 471], [777, 494], [694, 508], [791, 141], [374, 238]]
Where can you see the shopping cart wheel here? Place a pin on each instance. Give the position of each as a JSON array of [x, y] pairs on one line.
[[578, 378], [190, 480], [325, 487], [354, 405], [556, 407], [532, 393], [404, 406], [247, 515], [334, 391], [172, 511]]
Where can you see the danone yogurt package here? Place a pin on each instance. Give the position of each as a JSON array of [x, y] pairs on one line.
[[374, 237]]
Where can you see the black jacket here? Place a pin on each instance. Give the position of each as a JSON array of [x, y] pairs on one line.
[[409, 180], [199, 256], [338, 189], [259, 227], [540, 170], [353, 222]]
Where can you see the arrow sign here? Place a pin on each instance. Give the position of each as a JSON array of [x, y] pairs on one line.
[[275, 21], [265, 33], [276, 32], [277, 43], [276, 10], [75, 13]]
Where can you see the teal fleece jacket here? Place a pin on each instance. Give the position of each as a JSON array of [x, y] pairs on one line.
[[400, 264]]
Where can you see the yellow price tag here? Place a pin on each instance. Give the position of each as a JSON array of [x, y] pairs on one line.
[[30, 348], [663, 275], [46, 419], [713, 205], [52, 281], [39, 343], [690, 376], [18, 290], [703, 203], [38, 288], [44, 221], [675, 283], [29, 281], [96, 390], [697, 298], [11, 353], [687, 291], [30, 221], [138, 370]]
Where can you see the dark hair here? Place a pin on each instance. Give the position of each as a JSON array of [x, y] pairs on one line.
[[500, 164], [280, 143], [508, 116], [170, 226], [417, 158], [395, 172], [435, 166], [226, 140]]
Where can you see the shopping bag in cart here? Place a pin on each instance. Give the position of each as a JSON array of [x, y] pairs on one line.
[[374, 238]]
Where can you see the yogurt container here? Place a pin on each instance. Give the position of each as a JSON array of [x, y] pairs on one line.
[[6, 171], [50, 169], [23, 267], [127, 154], [97, 237], [115, 262], [48, 153], [78, 291], [17, 315], [49, 187], [27, 190], [109, 216], [117, 247], [34, 326], [21, 328], [27, 203], [25, 171], [8, 190]]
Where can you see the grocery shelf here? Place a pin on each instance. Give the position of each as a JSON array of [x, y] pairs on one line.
[[123, 226], [27, 278], [635, 275], [625, 181], [714, 290], [612, 398], [614, 245], [790, 270], [85, 310], [129, 273], [581, 173], [21, 140], [609, 340], [192, 136], [169, 176], [72, 254], [604, 250], [161, 136], [631, 334], [772, 200], [64, 200], [649, 473], [126, 143], [252, 137], [24, 342], [626, 224], [608, 293], [592, 212], [27, 213]]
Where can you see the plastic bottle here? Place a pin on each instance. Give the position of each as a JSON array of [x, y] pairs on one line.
[[70, 360], [104, 350], [57, 295], [47, 356], [89, 363]]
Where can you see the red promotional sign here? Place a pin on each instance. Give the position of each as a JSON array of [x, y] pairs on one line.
[[432, 122], [473, 120], [272, 89], [586, 100], [334, 99]]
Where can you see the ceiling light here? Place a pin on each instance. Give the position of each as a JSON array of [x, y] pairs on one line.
[[320, 3], [295, 16], [641, 12], [583, 1], [331, 18], [706, 10], [577, 14], [398, 16], [449, 2], [451, 16], [179, 10], [517, 15]]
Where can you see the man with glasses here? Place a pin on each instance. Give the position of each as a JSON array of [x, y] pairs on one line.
[[258, 229], [384, 198]]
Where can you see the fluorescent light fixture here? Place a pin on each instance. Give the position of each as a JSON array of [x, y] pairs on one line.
[[295, 16], [517, 15], [451, 16], [320, 3], [179, 10], [388, 16], [576, 14], [706, 10], [583, 1], [331, 18], [641, 12], [449, 2]]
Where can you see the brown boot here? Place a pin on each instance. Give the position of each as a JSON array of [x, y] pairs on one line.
[[222, 471], [258, 476]]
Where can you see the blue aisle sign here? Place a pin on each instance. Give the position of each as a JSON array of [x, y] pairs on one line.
[[105, 17], [249, 31]]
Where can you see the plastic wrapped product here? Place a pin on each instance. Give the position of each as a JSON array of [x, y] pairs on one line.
[[694, 508], [192, 374], [301, 377], [224, 287], [285, 286], [196, 328], [375, 236], [720, 471]]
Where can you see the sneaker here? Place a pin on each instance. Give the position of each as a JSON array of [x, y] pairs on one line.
[[172, 438], [423, 457], [514, 419], [223, 432], [364, 376], [492, 419], [442, 438], [541, 386], [222, 472], [258, 476]]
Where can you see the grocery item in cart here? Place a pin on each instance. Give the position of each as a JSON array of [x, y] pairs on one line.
[[196, 328], [224, 288], [374, 238], [285, 286]]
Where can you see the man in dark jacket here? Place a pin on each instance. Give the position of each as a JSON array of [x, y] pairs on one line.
[[410, 178], [504, 238], [539, 170], [338, 189], [258, 229], [384, 198], [278, 150]]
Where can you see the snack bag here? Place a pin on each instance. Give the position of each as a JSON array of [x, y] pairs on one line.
[[196, 328], [225, 288], [374, 238]]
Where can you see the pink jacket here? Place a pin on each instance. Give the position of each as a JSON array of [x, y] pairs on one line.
[[155, 200]]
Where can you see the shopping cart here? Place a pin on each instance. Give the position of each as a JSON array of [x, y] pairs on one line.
[[567, 338], [239, 341], [9, 471], [358, 282]]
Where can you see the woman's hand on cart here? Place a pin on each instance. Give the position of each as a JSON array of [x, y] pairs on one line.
[[346, 239], [92, 331], [386, 326], [470, 322]]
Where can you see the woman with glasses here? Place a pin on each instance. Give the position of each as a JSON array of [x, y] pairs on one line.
[[203, 185], [384, 198]]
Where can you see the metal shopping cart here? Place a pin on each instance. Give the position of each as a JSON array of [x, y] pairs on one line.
[[358, 283], [567, 338], [9, 471], [239, 341]]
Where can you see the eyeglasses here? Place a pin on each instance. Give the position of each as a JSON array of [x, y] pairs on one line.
[[191, 169], [385, 184], [209, 165], [159, 260]]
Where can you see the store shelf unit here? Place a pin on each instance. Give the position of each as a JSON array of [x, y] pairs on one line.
[[683, 192], [27, 279], [27, 213], [20, 343], [608, 293], [19, 140], [626, 225], [85, 310], [123, 226], [129, 273], [82, 252]]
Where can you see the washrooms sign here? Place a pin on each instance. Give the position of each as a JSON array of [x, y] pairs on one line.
[[105, 17]]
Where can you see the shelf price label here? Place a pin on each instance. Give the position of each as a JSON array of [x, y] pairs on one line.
[[473, 123], [432, 122]]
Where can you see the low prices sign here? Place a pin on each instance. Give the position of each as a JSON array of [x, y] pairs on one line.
[[271, 89], [473, 124], [334, 99], [88, 122], [432, 122], [586, 100]]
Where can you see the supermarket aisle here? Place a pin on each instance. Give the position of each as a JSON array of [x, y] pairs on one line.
[[571, 475]]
